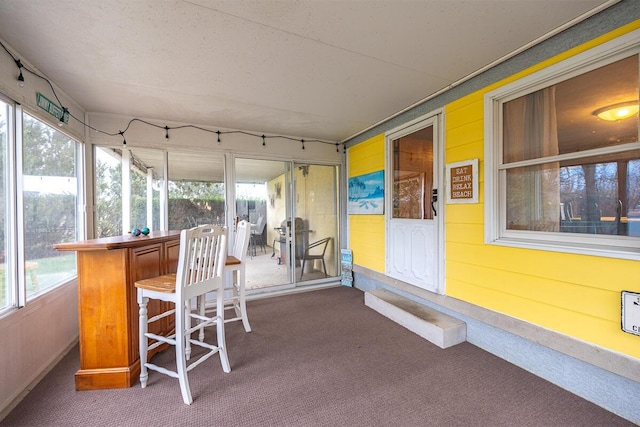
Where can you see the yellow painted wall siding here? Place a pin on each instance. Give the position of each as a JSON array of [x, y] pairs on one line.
[[465, 152], [587, 271], [367, 157], [367, 241], [466, 233], [472, 101], [462, 136], [367, 232], [471, 213], [579, 325], [577, 295]]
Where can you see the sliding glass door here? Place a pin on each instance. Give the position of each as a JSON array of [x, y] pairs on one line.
[[282, 252], [316, 226], [292, 207]]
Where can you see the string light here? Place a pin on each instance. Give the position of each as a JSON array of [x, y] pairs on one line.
[[337, 147], [66, 113], [20, 76]]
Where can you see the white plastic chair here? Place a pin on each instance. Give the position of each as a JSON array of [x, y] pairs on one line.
[[203, 253], [257, 236], [235, 274]]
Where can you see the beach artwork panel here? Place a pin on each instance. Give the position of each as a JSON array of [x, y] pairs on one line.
[[366, 194]]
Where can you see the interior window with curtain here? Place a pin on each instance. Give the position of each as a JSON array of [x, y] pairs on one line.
[[570, 159]]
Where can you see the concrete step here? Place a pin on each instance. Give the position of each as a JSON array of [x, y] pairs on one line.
[[434, 326]]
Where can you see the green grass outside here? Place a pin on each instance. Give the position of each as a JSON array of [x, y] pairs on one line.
[[49, 272]]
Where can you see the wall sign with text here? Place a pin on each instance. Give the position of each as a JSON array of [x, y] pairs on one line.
[[462, 182]]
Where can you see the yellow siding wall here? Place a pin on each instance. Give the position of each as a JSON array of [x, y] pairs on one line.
[[366, 232], [573, 294]]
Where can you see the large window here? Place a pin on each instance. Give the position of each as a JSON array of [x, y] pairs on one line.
[[7, 294], [128, 190], [564, 159], [130, 186], [196, 190], [50, 199], [40, 204]]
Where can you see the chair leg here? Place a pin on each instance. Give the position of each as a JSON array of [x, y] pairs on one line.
[[222, 344], [324, 266], [181, 358], [202, 304], [302, 268], [241, 300], [144, 375], [187, 326]]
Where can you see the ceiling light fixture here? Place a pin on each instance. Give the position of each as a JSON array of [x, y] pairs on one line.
[[619, 111]]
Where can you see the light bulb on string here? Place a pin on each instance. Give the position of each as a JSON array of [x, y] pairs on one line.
[[264, 143], [124, 141], [166, 130], [64, 112], [337, 147], [219, 141], [302, 141], [20, 76]]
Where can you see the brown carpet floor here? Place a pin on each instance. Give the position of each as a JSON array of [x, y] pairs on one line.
[[320, 358]]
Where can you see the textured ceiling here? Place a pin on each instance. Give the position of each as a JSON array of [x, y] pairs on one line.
[[310, 69]]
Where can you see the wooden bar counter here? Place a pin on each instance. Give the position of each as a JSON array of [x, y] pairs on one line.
[[107, 306]]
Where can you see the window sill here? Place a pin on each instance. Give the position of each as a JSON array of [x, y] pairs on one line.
[[571, 247]]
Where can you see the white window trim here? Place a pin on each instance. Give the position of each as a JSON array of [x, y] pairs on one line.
[[624, 247]]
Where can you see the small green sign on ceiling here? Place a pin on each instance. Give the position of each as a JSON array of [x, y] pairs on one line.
[[50, 107]]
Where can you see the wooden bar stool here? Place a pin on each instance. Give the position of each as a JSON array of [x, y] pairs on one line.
[[235, 276], [203, 253]]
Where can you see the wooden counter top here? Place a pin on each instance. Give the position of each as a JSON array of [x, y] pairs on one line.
[[119, 242]]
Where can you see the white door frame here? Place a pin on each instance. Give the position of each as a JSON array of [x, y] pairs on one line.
[[435, 118]]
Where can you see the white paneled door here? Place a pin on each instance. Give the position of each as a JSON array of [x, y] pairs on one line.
[[413, 206], [413, 252]]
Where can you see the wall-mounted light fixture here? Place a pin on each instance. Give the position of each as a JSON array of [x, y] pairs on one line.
[[619, 111]]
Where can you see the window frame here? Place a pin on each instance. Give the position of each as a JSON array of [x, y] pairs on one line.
[[11, 275], [496, 232], [16, 275]]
